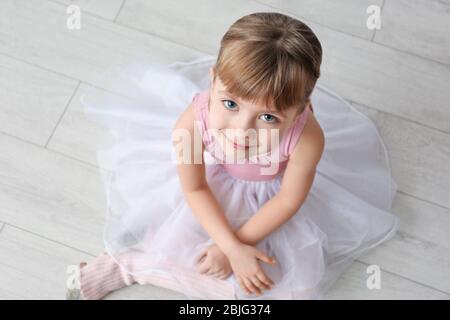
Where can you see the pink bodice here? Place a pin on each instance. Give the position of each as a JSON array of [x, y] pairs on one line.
[[258, 167]]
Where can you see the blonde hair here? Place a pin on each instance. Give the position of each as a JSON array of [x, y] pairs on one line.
[[269, 57]]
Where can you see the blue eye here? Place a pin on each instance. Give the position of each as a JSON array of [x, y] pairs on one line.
[[228, 106], [269, 118]]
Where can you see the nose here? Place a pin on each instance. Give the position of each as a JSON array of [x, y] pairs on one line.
[[244, 131], [243, 122]]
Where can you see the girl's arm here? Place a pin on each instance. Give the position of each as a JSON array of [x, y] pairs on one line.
[[191, 172], [297, 181]]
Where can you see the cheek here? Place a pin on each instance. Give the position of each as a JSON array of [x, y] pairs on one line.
[[218, 117], [263, 136], [267, 137]]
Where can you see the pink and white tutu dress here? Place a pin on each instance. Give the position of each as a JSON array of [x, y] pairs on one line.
[[151, 232]]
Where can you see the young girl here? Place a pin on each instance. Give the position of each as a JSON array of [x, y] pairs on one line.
[[237, 177]]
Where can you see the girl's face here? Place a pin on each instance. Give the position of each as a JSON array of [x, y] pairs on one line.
[[243, 128]]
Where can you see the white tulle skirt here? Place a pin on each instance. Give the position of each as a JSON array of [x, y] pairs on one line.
[[346, 213]]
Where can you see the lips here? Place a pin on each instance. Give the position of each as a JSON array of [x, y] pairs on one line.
[[238, 146]]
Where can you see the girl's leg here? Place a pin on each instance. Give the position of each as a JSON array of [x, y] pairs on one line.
[[103, 276]]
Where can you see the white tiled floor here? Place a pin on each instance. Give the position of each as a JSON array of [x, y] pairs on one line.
[[51, 197]]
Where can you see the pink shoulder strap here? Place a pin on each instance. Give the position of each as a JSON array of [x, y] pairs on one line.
[[200, 104], [295, 131]]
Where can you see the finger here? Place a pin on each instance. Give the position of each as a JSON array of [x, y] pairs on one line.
[[243, 286], [251, 286], [258, 283], [264, 278], [266, 258]]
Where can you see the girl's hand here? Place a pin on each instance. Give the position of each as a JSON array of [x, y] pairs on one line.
[[214, 262], [249, 274]]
